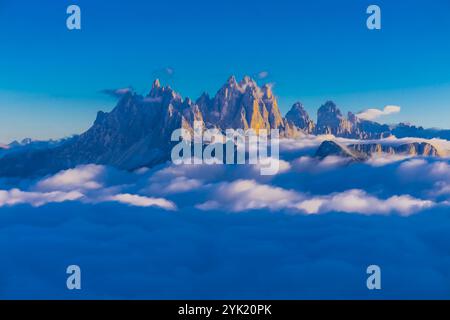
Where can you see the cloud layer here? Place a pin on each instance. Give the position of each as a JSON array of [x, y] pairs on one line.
[[225, 231], [303, 185]]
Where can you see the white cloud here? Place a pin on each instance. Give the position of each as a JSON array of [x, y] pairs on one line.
[[84, 177], [372, 114], [141, 201], [377, 160], [243, 195], [441, 188], [118, 92], [358, 201], [263, 74], [15, 196], [270, 165], [314, 165], [305, 142], [202, 172], [421, 169], [172, 186]]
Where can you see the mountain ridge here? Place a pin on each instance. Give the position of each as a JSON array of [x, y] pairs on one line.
[[363, 151], [137, 131]]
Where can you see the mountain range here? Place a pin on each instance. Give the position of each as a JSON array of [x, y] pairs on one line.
[[363, 151], [137, 131], [28, 144]]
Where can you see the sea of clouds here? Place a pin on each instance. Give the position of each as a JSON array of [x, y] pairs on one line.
[[225, 231]]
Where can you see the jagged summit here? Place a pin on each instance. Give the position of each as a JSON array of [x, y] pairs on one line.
[[232, 80], [156, 84], [330, 120], [242, 105], [300, 118]]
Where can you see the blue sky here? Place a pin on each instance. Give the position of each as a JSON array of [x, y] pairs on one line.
[[51, 78]]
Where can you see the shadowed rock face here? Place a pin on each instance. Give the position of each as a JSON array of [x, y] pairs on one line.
[[403, 130], [331, 121], [300, 118], [332, 148]]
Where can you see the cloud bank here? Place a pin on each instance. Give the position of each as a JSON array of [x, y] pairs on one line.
[[225, 231], [303, 185]]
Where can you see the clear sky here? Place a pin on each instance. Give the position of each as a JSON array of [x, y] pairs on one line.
[[51, 78]]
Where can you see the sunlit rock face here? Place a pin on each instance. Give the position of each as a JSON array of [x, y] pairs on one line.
[[242, 105]]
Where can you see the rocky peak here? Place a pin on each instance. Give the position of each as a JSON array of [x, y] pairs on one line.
[[231, 81], [156, 84], [242, 105], [247, 82], [330, 108], [163, 95], [267, 91], [187, 102], [352, 117], [331, 121], [300, 118]]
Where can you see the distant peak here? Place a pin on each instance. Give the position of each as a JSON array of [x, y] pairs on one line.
[[330, 103], [231, 80], [329, 106], [297, 106], [187, 101], [26, 141], [352, 117], [247, 80], [267, 89], [156, 84]]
